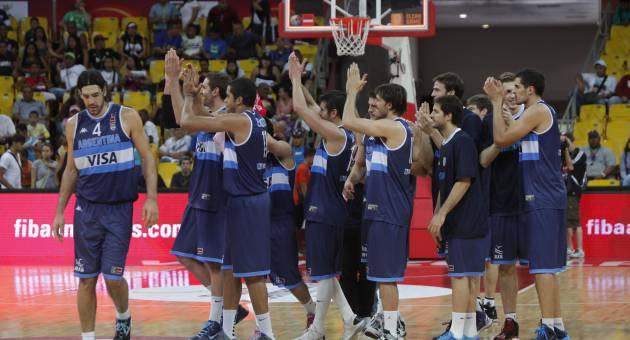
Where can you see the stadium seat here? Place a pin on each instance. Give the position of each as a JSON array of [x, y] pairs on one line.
[[6, 103], [616, 48], [137, 100], [271, 47], [142, 22], [592, 112], [247, 65], [12, 35], [582, 128], [166, 171], [246, 22], [156, 71], [217, 65], [39, 96], [107, 24], [14, 23], [158, 99], [619, 32], [603, 183], [308, 51], [617, 130], [620, 113], [203, 23], [6, 84], [116, 97], [613, 145]]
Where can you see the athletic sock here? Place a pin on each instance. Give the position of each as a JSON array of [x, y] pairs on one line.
[[549, 322], [558, 323], [229, 317], [325, 291], [309, 307], [88, 336], [488, 301], [264, 324], [379, 302], [470, 326], [478, 305], [391, 322], [123, 316], [511, 316], [216, 308], [457, 325], [342, 303]]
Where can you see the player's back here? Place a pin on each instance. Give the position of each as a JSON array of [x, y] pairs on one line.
[[280, 180], [104, 158], [206, 187]]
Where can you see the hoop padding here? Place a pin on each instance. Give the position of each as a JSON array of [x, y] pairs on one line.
[[350, 34]]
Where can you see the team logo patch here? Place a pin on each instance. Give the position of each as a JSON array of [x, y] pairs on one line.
[[83, 130], [312, 209], [79, 266], [117, 270], [451, 268], [112, 122], [199, 251], [530, 198]]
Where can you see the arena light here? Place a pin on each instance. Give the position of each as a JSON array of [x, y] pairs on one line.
[[485, 26], [463, 16]]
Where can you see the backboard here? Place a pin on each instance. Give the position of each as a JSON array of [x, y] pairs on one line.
[[389, 18]]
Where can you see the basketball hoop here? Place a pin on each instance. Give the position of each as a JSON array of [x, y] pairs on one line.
[[350, 34]]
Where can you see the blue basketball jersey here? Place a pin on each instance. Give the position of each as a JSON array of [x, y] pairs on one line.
[[103, 156], [244, 164], [389, 184], [206, 189], [328, 174], [543, 186], [280, 181]]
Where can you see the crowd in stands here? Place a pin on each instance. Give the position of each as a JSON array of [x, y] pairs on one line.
[[39, 71]]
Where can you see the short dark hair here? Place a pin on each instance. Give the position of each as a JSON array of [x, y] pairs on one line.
[[372, 94], [530, 77], [507, 77], [220, 81], [452, 105], [17, 139], [452, 82], [570, 136], [185, 158], [91, 77], [395, 95], [35, 112], [481, 101], [172, 23], [334, 100], [309, 152], [244, 88]]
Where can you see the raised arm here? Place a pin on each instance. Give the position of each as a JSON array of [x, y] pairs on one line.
[[280, 149], [358, 172], [172, 71], [422, 157], [68, 181]]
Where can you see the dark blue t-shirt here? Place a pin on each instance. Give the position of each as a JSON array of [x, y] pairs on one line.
[[458, 160], [162, 40]]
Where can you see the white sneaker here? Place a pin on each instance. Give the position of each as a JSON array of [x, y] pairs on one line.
[[570, 252], [311, 334], [352, 328], [579, 253]]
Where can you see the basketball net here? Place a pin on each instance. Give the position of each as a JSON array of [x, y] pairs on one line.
[[350, 35]]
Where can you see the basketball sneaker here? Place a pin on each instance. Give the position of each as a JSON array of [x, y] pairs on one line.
[[374, 327], [209, 331], [476, 337], [311, 334], [446, 331], [491, 311], [446, 336], [578, 254], [123, 329], [385, 335], [353, 327], [570, 252], [562, 335], [241, 314], [483, 321], [402, 327], [310, 317], [509, 331], [545, 333], [258, 335]]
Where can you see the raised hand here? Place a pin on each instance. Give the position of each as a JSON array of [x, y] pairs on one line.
[[423, 118], [493, 88], [355, 82], [191, 81], [295, 67], [172, 66]]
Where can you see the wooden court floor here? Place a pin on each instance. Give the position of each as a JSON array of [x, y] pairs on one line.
[[39, 302]]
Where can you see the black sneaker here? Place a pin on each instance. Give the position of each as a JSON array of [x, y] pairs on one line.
[[562, 335], [491, 311], [241, 314], [446, 331], [402, 327], [483, 321], [545, 333], [509, 331], [210, 330], [123, 329]]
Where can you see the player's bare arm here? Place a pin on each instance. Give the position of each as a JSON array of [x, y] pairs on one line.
[[488, 155], [172, 72], [422, 157], [457, 193], [68, 181], [280, 149], [357, 173]]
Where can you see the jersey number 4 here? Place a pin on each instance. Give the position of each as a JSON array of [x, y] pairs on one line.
[[97, 130]]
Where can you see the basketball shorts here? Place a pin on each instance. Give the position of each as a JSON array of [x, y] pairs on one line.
[[201, 236], [284, 253], [324, 250], [248, 235], [507, 239], [547, 240], [102, 233], [387, 251], [466, 257]]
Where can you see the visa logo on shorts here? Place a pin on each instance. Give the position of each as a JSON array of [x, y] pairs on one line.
[[602, 227]]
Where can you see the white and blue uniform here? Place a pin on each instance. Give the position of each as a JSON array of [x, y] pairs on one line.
[[106, 188], [248, 235], [388, 208], [202, 234], [545, 198]]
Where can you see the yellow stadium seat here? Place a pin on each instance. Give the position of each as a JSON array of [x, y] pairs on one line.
[[617, 129], [6, 103], [271, 47], [620, 112], [39, 96], [116, 97], [203, 23], [137, 100], [217, 65], [613, 145], [166, 171], [246, 22], [616, 48], [6, 84], [12, 35], [158, 99], [582, 128], [619, 32], [142, 22], [247, 65], [603, 183], [111, 38], [194, 63], [14, 23], [156, 70], [592, 112], [308, 51], [109, 24]]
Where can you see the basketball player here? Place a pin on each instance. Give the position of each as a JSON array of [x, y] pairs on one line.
[[507, 245], [248, 204], [100, 163], [389, 189], [280, 178], [543, 189], [460, 215], [326, 210], [200, 242]]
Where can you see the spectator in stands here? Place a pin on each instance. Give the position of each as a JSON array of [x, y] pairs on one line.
[[624, 165], [176, 147], [11, 165], [232, 70], [600, 160], [302, 176], [192, 43], [27, 166], [8, 62], [38, 80], [97, 55], [575, 180], [160, 15], [23, 108], [12, 45], [281, 55], [72, 31], [111, 75], [297, 145], [68, 73], [30, 55], [73, 44], [622, 91], [598, 87], [214, 47], [149, 127], [43, 170], [35, 129], [265, 72], [243, 42], [190, 12], [479, 104], [137, 77], [181, 179], [29, 36], [132, 44], [171, 38], [284, 105], [261, 19], [622, 14], [204, 66], [7, 128], [79, 17], [221, 17], [5, 18], [44, 46]]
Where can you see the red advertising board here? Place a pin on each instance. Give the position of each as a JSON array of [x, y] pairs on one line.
[[605, 219], [26, 230]]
